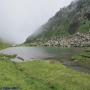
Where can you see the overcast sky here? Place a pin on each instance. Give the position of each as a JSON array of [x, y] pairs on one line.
[[20, 18]]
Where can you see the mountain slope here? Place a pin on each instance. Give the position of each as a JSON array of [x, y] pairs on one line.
[[68, 21]]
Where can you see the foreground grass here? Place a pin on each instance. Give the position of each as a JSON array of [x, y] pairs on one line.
[[41, 75]]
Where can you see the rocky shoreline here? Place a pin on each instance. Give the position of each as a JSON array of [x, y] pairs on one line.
[[76, 40]]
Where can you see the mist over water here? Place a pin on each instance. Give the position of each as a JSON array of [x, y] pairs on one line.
[[20, 18]]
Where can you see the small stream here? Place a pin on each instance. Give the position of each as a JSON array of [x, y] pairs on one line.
[[44, 53]]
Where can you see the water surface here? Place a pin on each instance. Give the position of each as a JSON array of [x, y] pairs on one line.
[[44, 53], [28, 53]]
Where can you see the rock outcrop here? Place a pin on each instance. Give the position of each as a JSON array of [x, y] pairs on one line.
[[76, 40]]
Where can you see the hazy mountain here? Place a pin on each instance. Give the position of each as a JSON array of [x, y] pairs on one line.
[[68, 21]]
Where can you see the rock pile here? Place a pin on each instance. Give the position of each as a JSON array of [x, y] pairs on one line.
[[76, 40]]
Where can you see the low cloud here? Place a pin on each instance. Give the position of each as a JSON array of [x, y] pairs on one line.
[[20, 18]]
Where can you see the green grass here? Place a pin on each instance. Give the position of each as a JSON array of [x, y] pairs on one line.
[[83, 58], [41, 75], [84, 27], [4, 45], [7, 57]]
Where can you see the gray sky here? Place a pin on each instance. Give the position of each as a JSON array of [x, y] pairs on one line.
[[20, 18]]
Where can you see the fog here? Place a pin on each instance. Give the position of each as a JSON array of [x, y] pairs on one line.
[[20, 18]]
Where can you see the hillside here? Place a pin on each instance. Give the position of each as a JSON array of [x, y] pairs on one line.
[[4, 44], [67, 22]]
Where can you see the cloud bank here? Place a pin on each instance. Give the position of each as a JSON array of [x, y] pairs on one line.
[[20, 18]]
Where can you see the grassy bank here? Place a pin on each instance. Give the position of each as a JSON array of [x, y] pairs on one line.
[[83, 58], [41, 75], [4, 45]]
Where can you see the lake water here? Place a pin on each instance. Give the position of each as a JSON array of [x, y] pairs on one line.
[[44, 53], [29, 53]]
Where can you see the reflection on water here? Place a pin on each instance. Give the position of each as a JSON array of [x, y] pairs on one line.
[[61, 54], [28, 53]]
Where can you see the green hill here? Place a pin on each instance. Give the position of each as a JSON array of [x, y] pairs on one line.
[[4, 44], [66, 22]]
